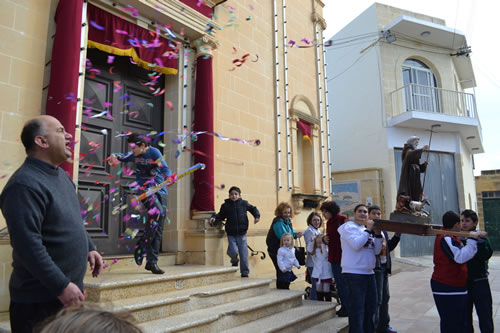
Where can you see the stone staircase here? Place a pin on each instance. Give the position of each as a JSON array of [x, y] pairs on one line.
[[196, 298]]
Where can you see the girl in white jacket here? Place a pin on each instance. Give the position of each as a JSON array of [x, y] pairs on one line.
[[286, 260], [322, 269]]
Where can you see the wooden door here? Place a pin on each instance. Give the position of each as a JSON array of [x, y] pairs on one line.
[[118, 86]]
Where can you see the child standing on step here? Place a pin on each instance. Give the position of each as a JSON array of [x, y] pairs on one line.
[[234, 211], [322, 270], [286, 260]]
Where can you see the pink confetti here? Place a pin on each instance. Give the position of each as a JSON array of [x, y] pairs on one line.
[[122, 32], [109, 116], [107, 104], [159, 62], [101, 86], [306, 40], [199, 3], [97, 26], [111, 59], [153, 211], [251, 7], [170, 105]]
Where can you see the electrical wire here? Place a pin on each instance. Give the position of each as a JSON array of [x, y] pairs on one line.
[[351, 65]]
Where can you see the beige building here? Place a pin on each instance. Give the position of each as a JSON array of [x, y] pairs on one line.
[[488, 204], [394, 74], [262, 96]]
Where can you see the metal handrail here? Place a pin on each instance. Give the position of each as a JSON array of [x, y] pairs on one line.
[[252, 251], [256, 253], [416, 97]]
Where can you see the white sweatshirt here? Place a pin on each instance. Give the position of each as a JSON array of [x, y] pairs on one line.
[[287, 259], [359, 248]]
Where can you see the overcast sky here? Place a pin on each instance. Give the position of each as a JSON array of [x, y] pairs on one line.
[[478, 19]]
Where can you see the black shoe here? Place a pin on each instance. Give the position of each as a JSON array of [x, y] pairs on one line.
[[244, 275], [138, 255], [154, 268], [342, 312], [234, 263]]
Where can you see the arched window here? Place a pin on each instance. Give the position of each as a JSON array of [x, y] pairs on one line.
[[420, 87]]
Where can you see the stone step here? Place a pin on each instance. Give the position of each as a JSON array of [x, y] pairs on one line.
[[226, 316], [128, 283], [337, 324], [152, 307], [120, 262], [308, 314]]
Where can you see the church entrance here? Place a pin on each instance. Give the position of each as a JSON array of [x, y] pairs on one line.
[[118, 98]]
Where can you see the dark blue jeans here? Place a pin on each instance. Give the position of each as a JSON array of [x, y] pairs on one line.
[[479, 293], [150, 241], [451, 303], [313, 295], [362, 302], [382, 314], [341, 285]]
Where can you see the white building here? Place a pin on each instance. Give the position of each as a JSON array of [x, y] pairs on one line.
[[393, 74]]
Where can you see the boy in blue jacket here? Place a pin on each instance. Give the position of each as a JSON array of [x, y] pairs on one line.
[[234, 211], [478, 286], [151, 170]]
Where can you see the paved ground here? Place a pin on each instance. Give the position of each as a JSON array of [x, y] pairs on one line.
[[411, 305]]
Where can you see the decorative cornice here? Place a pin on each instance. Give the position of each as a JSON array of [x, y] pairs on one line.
[[172, 13], [205, 45], [213, 3], [304, 116], [318, 19]]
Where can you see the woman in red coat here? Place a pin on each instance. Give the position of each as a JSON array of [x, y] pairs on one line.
[[331, 212]]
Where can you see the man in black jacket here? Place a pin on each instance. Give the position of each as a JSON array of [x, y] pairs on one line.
[[234, 211], [50, 246]]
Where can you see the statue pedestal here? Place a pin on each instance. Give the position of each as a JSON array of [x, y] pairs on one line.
[[410, 218]]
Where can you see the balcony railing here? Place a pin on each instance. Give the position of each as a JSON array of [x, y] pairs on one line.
[[415, 97]]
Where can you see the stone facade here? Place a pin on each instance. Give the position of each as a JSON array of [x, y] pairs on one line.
[[245, 104]]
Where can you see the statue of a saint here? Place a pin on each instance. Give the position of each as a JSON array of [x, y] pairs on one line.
[[409, 182]]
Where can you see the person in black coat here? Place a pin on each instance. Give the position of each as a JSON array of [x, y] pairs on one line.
[[234, 211]]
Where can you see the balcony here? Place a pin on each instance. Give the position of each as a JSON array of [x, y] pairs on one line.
[[417, 106]]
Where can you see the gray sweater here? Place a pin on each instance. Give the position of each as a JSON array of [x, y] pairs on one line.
[[48, 237]]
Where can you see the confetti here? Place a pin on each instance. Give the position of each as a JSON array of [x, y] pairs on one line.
[[170, 105], [122, 32], [99, 114], [111, 59], [308, 41], [97, 26]]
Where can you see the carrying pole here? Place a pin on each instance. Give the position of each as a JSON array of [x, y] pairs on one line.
[[428, 152]]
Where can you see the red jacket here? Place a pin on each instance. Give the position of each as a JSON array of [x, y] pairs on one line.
[[334, 248], [446, 270]]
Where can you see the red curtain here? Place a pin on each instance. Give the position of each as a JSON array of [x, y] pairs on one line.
[[305, 128], [199, 6], [203, 199], [63, 85], [114, 35]]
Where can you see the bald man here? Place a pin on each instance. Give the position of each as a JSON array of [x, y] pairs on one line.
[[50, 246]]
